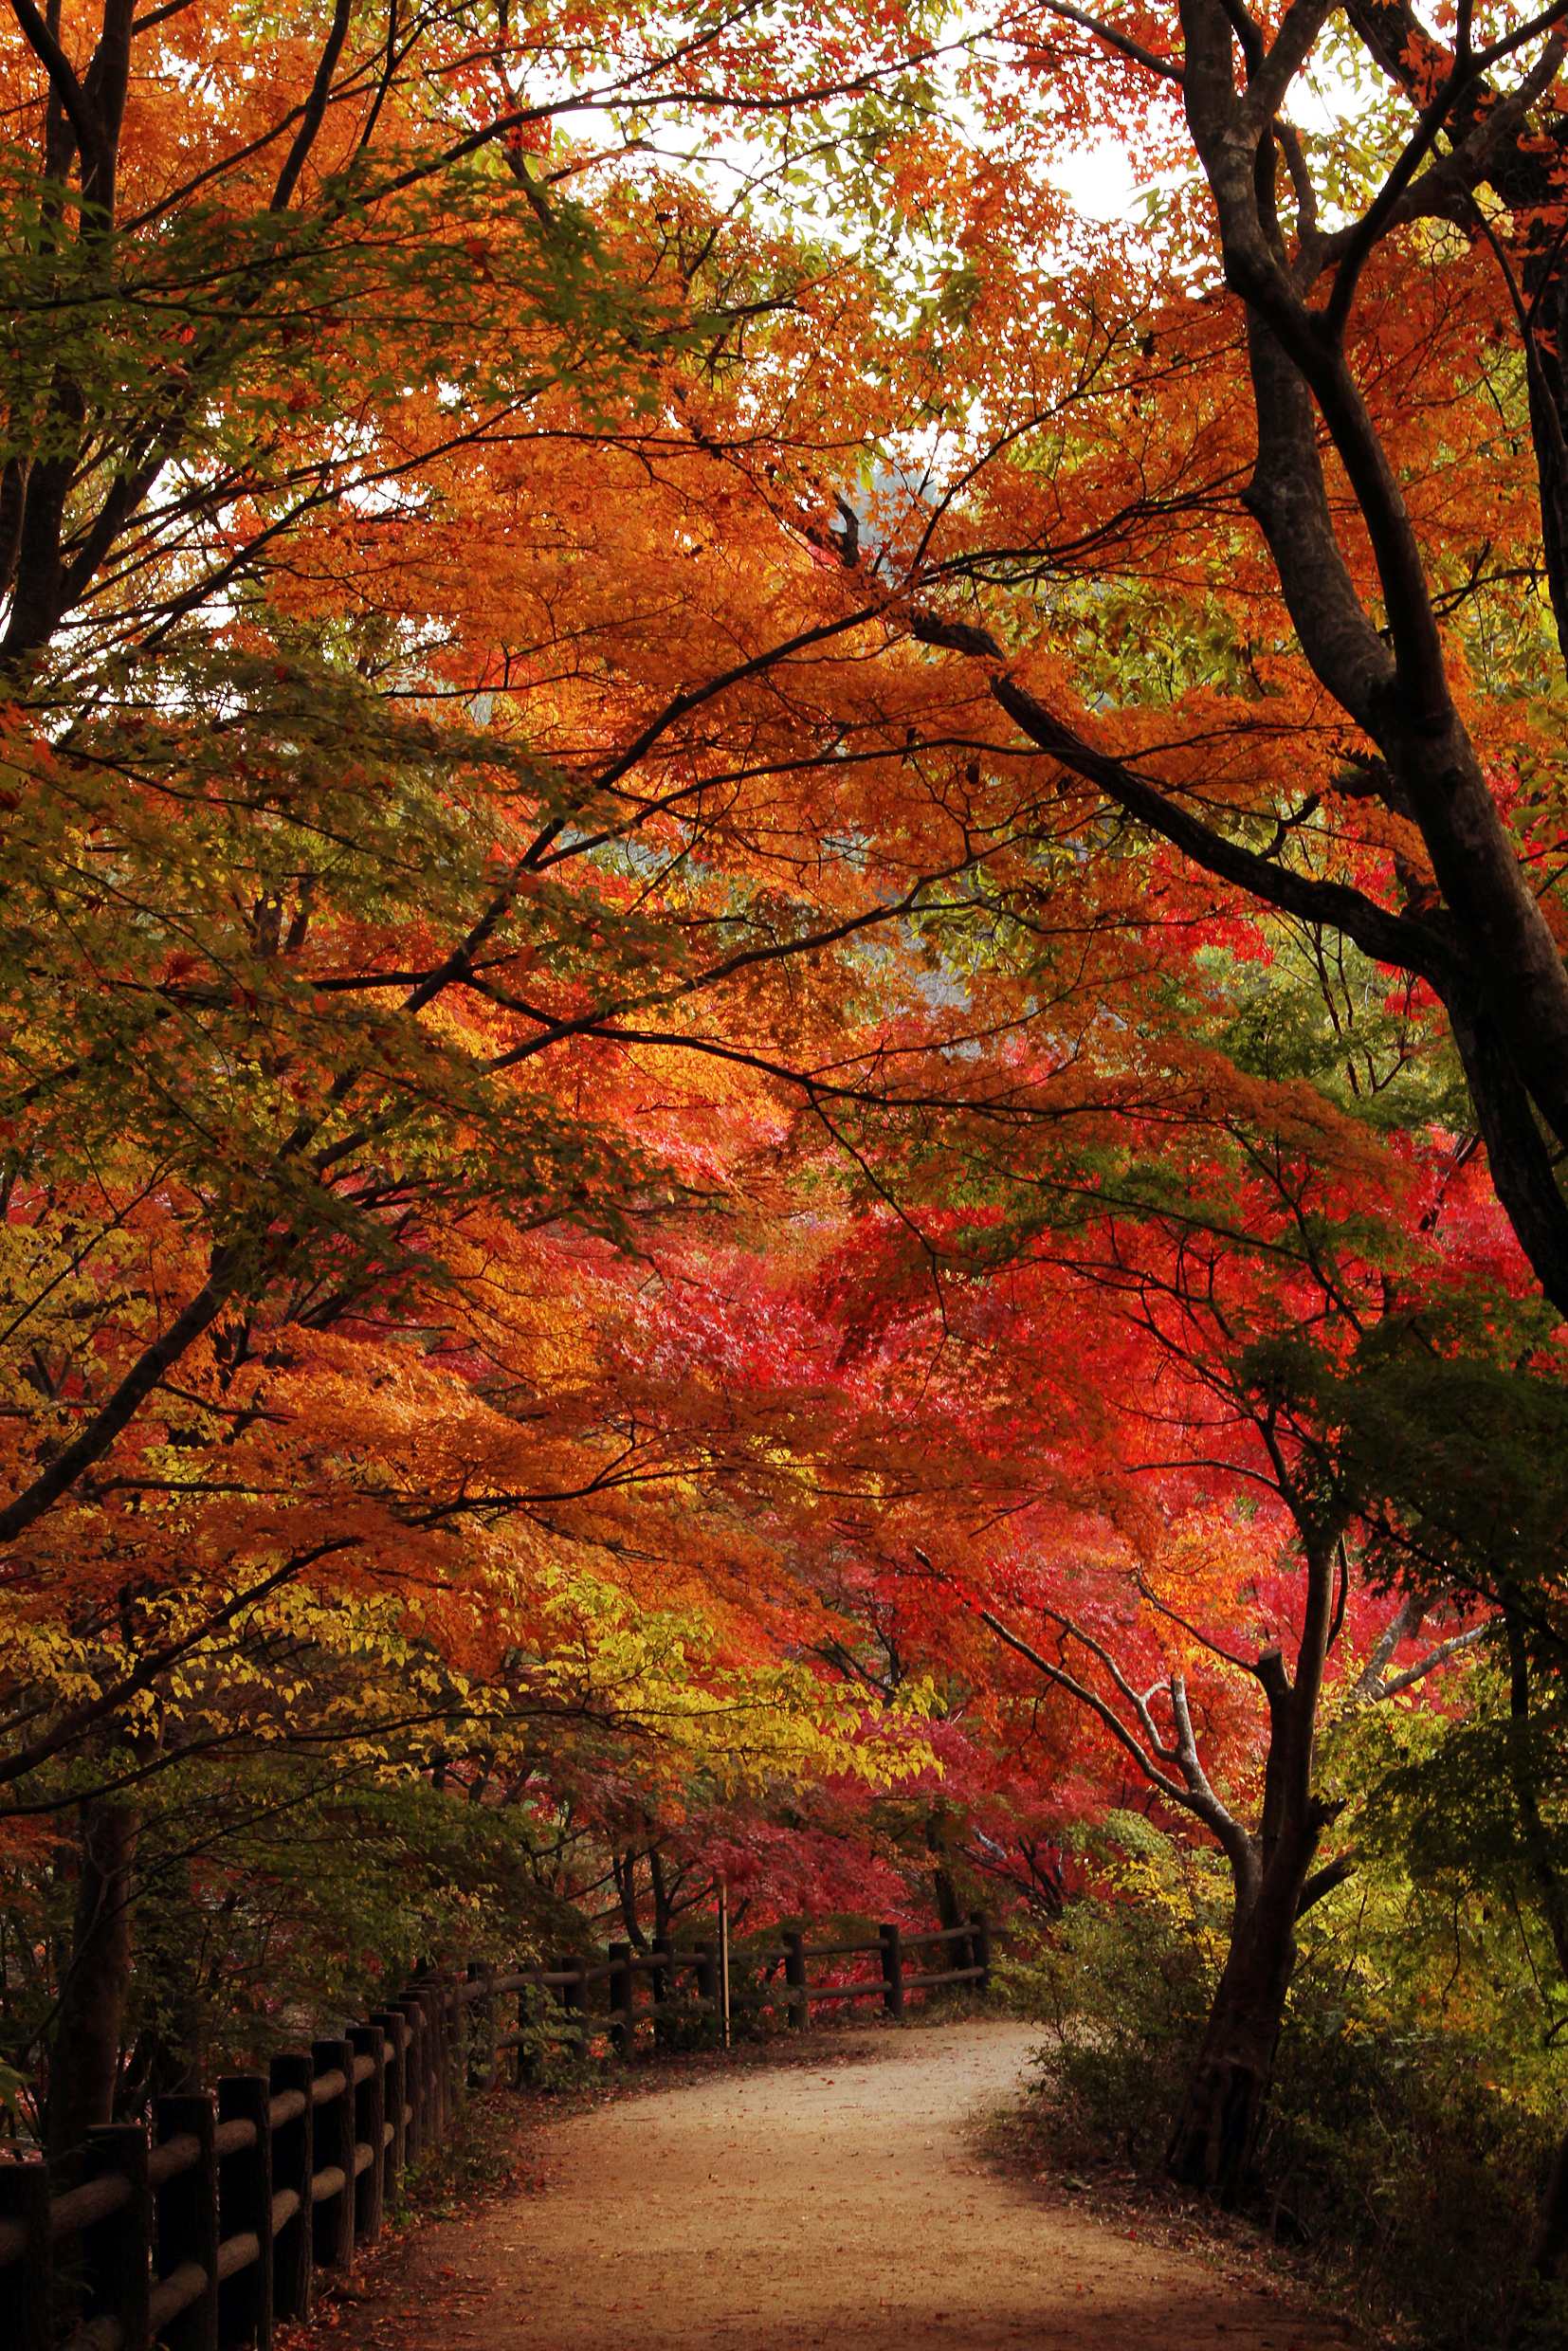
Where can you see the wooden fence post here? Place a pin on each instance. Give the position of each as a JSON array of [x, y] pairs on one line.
[[424, 2060], [422, 2131], [458, 2021], [429, 2076], [332, 2232], [116, 2251], [429, 2070], [466, 2029], [441, 2057], [724, 1956], [981, 1939], [245, 2209], [394, 2031], [186, 2208], [293, 2164], [458, 2017], [794, 1977], [892, 1971], [622, 1994], [412, 2012], [369, 2117], [26, 2283]]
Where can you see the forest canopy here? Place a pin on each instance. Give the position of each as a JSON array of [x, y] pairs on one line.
[[783, 1031]]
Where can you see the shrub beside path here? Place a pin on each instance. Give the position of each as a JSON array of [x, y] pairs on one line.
[[827, 2203]]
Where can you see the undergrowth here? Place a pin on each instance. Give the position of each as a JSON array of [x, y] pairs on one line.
[[1412, 2117]]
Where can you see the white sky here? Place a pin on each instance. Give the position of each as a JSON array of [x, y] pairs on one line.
[[1101, 184], [1098, 181]]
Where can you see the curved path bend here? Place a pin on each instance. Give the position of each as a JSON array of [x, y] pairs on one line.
[[835, 2203]]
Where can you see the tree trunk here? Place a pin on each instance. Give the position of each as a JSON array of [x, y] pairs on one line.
[[664, 1902], [1530, 2321], [1212, 2144], [949, 1909], [84, 2052], [1548, 2266], [624, 1868]]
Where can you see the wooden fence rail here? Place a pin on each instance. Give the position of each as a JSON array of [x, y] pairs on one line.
[[971, 1954], [206, 2231]]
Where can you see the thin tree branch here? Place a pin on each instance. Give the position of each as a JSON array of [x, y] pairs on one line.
[[316, 107], [1430, 1663]]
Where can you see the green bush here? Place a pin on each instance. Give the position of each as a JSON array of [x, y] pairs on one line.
[[1122, 1983], [1415, 2106], [1396, 2142]]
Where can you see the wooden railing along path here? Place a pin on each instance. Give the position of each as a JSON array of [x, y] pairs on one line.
[[208, 2230], [889, 1948]]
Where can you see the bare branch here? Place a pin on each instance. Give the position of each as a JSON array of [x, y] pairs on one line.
[[1388, 938], [1218, 1815], [1464, 167], [1212, 1646], [1434, 1658], [1301, 179], [62, 80], [1060, 1679], [1402, 1626], [1323, 1881], [1303, 21]]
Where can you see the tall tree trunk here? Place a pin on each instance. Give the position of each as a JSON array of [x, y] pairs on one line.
[[1211, 2144], [942, 1886], [1548, 2264], [663, 1901], [89, 2024], [624, 1868]]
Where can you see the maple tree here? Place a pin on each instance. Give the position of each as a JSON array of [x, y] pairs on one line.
[[376, 919], [293, 1225], [1395, 748], [1350, 730], [643, 849], [1141, 1350]]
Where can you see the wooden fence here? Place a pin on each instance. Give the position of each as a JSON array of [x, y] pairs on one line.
[[971, 1955], [210, 2229]]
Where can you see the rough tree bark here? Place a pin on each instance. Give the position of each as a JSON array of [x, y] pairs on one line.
[[89, 2022], [1527, 161], [1548, 2264], [1504, 974], [624, 1866], [939, 1845], [1211, 2145]]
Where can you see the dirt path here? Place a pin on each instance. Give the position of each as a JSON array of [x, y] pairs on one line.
[[830, 2204]]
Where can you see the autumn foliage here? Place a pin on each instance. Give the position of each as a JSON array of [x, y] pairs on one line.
[[780, 942]]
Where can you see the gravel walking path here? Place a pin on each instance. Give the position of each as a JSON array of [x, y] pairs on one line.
[[839, 2202]]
